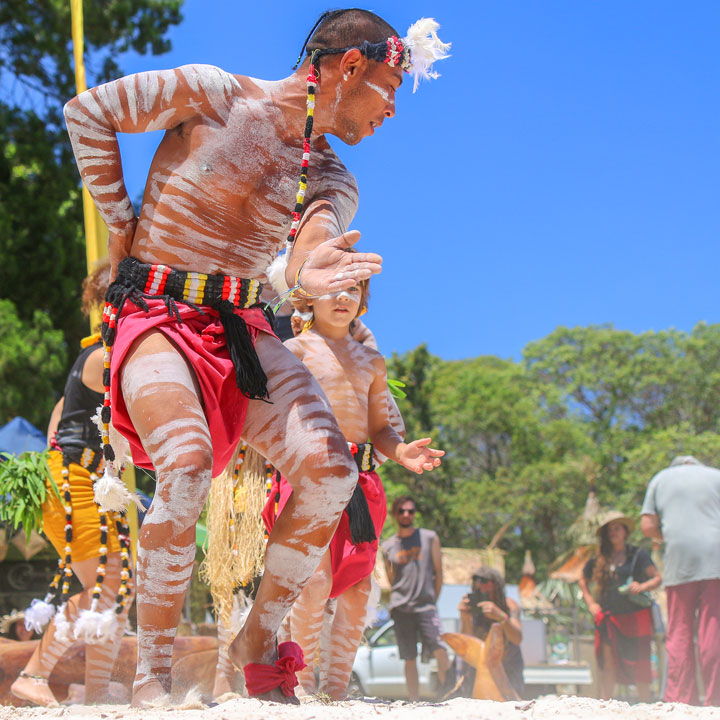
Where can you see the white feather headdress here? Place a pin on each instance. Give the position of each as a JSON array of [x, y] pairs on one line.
[[425, 48]]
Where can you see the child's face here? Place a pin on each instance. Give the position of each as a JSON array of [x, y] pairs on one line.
[[338, 309]]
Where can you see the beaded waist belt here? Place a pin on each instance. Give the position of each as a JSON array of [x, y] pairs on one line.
[[360, 521], [137, 281], [363, 455], [226, 294], [191, 287]]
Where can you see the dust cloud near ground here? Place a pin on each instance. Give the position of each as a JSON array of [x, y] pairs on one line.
[[547, 707]]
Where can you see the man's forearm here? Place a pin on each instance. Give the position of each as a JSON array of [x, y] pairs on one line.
[[97, 154], [388, 442], [650, 526]]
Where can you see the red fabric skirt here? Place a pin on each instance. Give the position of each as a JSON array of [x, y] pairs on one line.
[[350, 563], [629, 638], [200, 338]]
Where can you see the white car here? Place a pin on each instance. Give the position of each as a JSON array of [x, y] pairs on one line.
[[378, 670]]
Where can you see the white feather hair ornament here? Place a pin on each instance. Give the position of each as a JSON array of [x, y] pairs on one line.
[[425, 48]]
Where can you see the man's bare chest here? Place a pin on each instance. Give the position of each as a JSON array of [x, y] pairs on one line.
[[245, 160]]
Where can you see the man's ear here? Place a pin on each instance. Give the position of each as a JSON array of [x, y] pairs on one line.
[[352, 64]]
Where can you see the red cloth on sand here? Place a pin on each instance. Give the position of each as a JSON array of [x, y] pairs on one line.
[[261, 678], [200, 338], [350, 563]]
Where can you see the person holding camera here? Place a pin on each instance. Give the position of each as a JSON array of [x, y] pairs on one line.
[[487, 605], [622, 575]]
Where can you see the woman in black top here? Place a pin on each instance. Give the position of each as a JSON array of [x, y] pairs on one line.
[[623, 628], [92, 544]]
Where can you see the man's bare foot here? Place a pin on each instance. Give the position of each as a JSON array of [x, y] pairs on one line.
[[243, 650], [149, 694], [240, 655], [33, 689]]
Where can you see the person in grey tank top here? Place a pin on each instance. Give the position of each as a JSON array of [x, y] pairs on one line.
[[414, 566]]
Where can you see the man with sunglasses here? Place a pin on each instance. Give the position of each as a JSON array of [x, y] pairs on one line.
[[414, 566]]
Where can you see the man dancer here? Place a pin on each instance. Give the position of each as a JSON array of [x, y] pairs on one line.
[[215, 210]]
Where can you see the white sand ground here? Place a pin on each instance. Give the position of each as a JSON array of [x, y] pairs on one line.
[[458, 709]]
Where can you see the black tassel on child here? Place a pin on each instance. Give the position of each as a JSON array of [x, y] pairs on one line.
[[359, 519]]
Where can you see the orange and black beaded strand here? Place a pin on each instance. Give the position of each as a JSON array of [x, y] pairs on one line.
[[123, 532], [41, 612], [109, 319], [102, 561], [312, 81], [66, 569]]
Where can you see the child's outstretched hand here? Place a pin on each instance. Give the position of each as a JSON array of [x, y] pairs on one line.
[[418, 457]]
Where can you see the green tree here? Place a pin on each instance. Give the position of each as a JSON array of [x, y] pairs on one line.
[[32, 363], [525, 442], [512, 456], [415, 368], [41, 231]]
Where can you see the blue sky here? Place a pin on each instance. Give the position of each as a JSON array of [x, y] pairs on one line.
[[562, 171]]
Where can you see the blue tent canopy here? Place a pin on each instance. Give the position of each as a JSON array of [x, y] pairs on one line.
[[19, 436]]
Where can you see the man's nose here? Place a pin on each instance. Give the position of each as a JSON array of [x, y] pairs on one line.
[[390, 109]]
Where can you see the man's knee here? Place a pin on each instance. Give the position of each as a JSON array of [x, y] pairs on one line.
[[182, 490], [342, 475], [326, 485]]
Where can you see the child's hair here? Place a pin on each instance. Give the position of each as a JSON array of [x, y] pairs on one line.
[[364, 297], [95, 286]]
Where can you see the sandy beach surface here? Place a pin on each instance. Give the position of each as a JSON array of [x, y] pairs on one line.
[[368, 709]]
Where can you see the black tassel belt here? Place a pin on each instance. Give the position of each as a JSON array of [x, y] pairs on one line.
[[360, 521], [225, 294]]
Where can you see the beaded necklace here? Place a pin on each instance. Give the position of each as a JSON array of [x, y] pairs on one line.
[[305, 164]]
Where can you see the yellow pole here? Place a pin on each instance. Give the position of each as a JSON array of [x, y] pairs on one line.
[[96, 232]]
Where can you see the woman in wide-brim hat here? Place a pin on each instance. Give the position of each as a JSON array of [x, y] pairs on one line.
[[619, 574]]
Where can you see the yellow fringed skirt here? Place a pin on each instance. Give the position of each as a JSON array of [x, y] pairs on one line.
[[85, 516]]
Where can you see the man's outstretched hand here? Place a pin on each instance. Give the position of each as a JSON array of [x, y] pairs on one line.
[[329, 268]]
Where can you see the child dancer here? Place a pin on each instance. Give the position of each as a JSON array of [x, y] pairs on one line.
[[354, 378]]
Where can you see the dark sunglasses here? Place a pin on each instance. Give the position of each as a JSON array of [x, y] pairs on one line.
[[404, 511]]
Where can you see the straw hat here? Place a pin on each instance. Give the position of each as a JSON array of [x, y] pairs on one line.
[[6, 621], [615, 515]]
